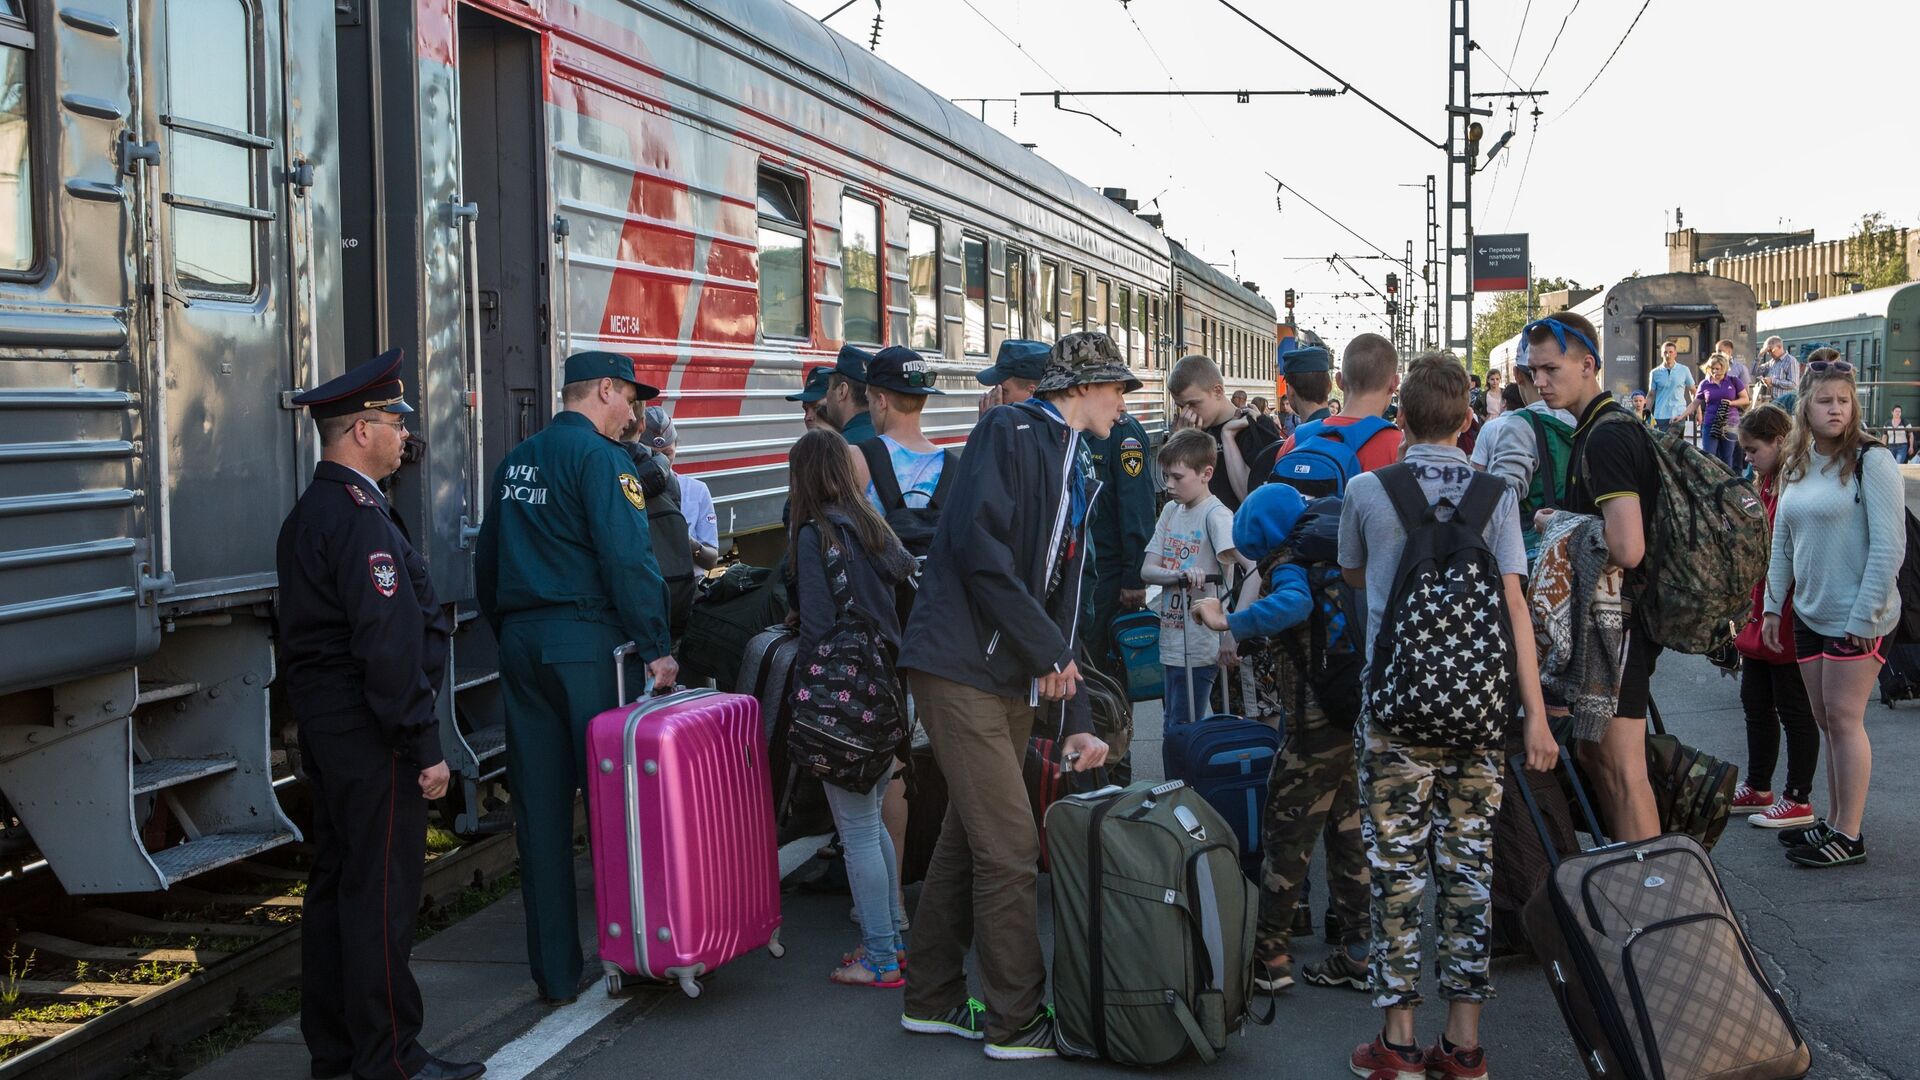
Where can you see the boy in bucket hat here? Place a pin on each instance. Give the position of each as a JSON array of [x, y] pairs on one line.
[[993, 634]]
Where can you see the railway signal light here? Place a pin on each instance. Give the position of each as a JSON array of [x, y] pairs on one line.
[[1393, 283], [1289, 299]]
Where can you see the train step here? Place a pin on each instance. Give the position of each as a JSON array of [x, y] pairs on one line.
[[197, 856], [151, 776], [488, 742]]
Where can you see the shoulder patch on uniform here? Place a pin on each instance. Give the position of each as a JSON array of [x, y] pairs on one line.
[[385, 575], [630, 487], [359, 495], [1132, 462], [1129, 443]]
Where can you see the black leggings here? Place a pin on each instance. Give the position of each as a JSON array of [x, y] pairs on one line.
[[1775, 698]]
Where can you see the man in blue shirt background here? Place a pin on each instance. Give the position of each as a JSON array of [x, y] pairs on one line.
[[1671, 389]]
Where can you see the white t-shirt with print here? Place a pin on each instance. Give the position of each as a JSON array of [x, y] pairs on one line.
[[1186, 538]]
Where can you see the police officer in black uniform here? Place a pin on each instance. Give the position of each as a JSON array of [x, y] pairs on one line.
[[363, 644]]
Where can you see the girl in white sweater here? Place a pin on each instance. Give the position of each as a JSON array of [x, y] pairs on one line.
[[1839, 536]]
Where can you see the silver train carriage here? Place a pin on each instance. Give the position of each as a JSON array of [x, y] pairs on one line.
[[210, 204], [1227, 320]]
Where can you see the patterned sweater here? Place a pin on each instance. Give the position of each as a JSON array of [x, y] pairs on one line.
[[1837, 547]]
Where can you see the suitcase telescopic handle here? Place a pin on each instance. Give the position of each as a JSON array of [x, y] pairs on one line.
[[620, 671], [1518, 763]]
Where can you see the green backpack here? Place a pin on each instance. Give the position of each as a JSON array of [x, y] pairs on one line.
[[1153, 925], [1707, 545], [1553, 448]]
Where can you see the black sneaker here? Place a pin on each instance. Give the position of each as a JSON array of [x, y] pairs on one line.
[[961, 1020], [1333, 928], [1833, 849], [1805, 835], [1338, 969], [1036, 1040], [1273, 975], [1302, 920]]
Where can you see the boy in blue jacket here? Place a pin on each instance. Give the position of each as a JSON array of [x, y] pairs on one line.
[[1314, 773]]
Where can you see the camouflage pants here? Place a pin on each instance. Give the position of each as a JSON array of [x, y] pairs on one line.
[[1429, 828], [1311, 793]]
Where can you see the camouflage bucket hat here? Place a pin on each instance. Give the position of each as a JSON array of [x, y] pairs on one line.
[[1083, 359]]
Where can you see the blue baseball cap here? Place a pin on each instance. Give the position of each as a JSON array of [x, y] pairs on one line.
[[1018, 358], [587, 366], [816, 384], [852, 363]]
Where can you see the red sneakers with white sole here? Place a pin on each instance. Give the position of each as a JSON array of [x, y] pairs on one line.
[[1748, 801], [1784, 815]]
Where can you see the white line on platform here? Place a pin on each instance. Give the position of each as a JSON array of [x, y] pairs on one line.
[[519, 1058], [799, 852]]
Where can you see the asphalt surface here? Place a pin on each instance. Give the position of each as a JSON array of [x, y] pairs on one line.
[[1841, 945]]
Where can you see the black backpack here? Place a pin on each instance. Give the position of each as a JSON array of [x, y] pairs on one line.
[[1332, 660], [667, 529], [1907, 630], [728, 611], [849, 722], [914, 525], [1442, 658]]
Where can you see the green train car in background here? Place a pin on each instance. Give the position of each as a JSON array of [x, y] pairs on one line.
[[1877, 330]]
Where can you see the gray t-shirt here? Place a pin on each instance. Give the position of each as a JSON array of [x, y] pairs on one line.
[[1371, 535], [1507, 447]]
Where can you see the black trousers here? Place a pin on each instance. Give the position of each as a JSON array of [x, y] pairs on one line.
[[1775, 698], [359, 1006]]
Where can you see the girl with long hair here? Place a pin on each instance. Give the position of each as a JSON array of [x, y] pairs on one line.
[[1838, 540], [1771, 691], [832, 523]]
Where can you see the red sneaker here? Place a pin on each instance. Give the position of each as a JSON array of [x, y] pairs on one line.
[[1748, 801], [1377, 1061], [1784, 814], [1459, 1065]]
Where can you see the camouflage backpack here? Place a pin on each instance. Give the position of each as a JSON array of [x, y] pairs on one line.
[[1692, 788], [1707, 544]]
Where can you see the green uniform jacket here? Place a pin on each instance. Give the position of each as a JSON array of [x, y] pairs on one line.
[[1124, 514], [859, 429], [568, 528]]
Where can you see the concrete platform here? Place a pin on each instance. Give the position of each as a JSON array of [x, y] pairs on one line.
[[1842, 945]]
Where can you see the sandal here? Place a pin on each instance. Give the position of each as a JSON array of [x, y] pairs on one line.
[[860, 951], [880, 978]]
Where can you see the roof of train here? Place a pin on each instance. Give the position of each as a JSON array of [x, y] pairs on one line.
[[1872, 303], [786, 29], [1188, 263]]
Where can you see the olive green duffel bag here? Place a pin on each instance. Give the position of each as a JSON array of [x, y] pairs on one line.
[[1153, 925]]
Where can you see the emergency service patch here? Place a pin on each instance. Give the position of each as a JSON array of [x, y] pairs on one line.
[[1129, 443], [361, 497], [386, 576], [630, 487], [1132, 461]]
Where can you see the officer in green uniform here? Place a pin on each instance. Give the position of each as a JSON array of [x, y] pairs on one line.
[[845, 403], [565, 574], [1122, 526]]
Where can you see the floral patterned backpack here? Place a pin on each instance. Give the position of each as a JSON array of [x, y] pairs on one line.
[[848, 722]]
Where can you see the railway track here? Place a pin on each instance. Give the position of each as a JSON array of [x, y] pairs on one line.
[[89, 987]]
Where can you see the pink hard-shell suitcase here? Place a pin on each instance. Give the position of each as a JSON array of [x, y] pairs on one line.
[[686, 861]]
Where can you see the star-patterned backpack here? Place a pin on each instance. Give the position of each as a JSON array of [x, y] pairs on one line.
[[1442, 671], [848, 722]]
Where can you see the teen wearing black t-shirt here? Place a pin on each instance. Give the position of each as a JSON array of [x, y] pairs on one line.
[[1200, 394], [1611, 474]]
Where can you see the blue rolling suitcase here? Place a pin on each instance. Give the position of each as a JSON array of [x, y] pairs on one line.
[[1227, 759], [1136, 651]]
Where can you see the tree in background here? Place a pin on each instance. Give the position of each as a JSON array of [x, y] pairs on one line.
[[1504, 319], [1876, 253]]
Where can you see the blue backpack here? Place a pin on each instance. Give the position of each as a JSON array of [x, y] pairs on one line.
[[1325, 457]]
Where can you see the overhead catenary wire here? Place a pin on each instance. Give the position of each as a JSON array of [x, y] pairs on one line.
[[1330, 217], [1035, 61], [1608, 60], [1556, 41], [1518, 35]]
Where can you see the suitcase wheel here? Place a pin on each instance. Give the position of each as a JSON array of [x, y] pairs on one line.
[[774, 948], [689, 986]]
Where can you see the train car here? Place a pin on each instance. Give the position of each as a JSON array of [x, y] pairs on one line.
[[1224, 319], [216, 203], [1691, 310], [1877, 330], [1503, 356]]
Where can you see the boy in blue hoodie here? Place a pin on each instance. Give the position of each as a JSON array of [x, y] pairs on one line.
[[1314, 773]]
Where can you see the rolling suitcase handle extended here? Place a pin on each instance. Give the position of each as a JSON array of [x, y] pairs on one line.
[[1186, 624], [1518, 763], [620, 672]]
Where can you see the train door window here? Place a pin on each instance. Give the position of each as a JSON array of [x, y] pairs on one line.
[[1206, 338], [1155, 345], [1142, 344], [1124, 336], [923, 284], [783, 255], [212, 186], [860, 268], [16, 144], [1077, 303], [1016, 294], [1049, 301], [973, 254]]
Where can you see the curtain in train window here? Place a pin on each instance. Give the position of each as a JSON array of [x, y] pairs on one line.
[[973, 256], [212, 187], [1142, 340], [1049, 301], [16, 143], [1016, 295], [782, 201], [1077, 303], [923, 284], [860, 269]]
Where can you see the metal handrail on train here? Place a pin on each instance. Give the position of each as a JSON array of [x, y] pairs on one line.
[[468, 217]]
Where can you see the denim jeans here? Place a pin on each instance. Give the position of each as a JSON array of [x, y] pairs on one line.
[[1174, 696], [871, 870], [1724, 449]]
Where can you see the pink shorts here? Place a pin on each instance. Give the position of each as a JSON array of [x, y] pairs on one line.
[[1809, 644]]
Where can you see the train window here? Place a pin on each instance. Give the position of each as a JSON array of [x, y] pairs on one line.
[[783, 255], [860, 268], [1142, 344], [973, 256], [1156, 348], [16, 145], [1049, 301], [1077, 303], [1098, 318], [1124, 336], [211, 149], [1016, 295], [1206, 338], [923, 284]]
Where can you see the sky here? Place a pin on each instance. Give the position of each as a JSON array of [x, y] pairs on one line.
[[1754, 115]]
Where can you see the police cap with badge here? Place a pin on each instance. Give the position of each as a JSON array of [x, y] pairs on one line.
[[374, 385], [816, 384], [1306, 358]]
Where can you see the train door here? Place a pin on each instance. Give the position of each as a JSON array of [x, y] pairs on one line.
[[503, 175], [213, 105]]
